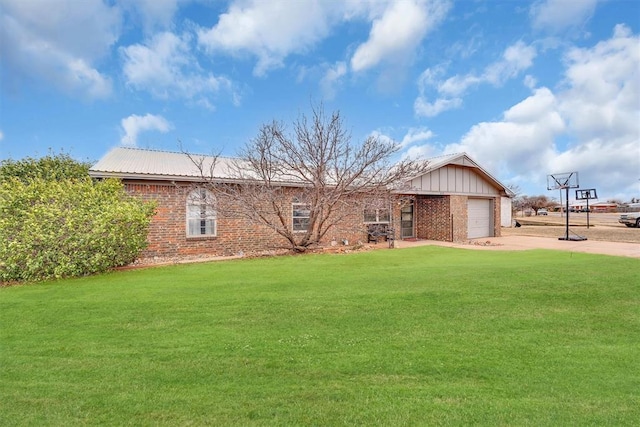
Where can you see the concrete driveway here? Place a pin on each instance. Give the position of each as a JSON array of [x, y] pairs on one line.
[[522, 243]]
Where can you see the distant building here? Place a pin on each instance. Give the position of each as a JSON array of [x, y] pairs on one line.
[[581, 205]]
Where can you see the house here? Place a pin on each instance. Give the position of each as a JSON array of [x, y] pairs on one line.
[[454, 200], [603, 207], [593, 205]]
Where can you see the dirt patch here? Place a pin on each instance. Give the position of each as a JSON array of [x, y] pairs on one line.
[[602, 228]]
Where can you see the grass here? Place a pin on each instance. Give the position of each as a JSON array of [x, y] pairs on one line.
[[424, 336]]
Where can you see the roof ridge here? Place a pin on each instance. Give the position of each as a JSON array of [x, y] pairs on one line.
[[442, 156], [154, 150]]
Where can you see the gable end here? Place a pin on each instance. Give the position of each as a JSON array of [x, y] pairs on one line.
[[453, 179]]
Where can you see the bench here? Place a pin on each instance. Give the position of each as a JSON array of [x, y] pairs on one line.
[[375, 232]]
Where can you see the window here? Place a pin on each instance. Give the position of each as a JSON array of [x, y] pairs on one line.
[[201, 213], [301, 217], [377, 215]]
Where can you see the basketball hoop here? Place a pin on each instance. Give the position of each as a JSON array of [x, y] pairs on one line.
[[565, 181], [586, 195], [560, 181]]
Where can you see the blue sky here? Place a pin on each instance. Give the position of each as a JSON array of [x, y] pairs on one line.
[[525, 88]]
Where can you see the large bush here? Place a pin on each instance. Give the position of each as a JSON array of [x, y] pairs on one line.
[[53, 226], [51, 167]]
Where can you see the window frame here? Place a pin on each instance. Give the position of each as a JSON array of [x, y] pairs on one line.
[[379, 218], [294, 217], [204, 203]]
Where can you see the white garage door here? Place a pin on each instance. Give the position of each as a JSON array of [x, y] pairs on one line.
[[479, 214]]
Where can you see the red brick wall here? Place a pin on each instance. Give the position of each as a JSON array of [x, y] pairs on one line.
[[441, 218], [168, 234], [460, 218], [445, 218], [235, 235], [433, 218], [497, 217]]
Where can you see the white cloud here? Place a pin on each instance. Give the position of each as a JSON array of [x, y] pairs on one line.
[[166, 67], [81, 75], [424, 151], [530, 81], [420, 134], [458, 85], [134, 125], [558, 15], [524, 141], [601, 104], [516, 58], [610, 166], [603, 87], [590, 125], [536, 107], [153, 13], [396, 34], [58, 43], [413, 135], [448, 92], [332, 79], [424, 108], [1, 135], [269, 30], [383, 137], [414, 143]]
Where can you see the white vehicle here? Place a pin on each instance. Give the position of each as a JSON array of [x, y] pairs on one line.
[[542, 211], [631, 219]]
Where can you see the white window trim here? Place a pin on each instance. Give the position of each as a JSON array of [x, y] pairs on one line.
[[378, 221], [293, 217], [205, 200]]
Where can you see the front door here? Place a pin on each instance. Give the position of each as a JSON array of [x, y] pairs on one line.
[[406, 222]]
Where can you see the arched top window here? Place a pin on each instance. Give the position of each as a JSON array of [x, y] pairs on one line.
[[201, 213]]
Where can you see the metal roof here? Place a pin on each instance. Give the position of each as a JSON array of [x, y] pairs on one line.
[[125, 162], [137, 163]]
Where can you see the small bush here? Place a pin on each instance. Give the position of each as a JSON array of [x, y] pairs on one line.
[[53, 228]]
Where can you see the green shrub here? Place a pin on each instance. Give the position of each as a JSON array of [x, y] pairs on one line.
[[53, 228], [51, 167]]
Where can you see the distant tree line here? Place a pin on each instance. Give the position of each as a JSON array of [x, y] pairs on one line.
[[534, 203]]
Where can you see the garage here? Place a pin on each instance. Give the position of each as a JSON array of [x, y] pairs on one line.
[[456, 200], [480, 222]]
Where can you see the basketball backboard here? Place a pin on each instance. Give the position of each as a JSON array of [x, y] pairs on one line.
[[562, 180], [586, 194]]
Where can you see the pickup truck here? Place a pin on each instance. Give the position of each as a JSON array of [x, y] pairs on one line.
[[631, 219]]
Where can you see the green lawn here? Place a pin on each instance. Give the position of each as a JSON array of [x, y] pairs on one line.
[[424, 336]]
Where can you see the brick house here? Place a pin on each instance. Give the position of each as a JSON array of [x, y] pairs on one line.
[[454, 200]]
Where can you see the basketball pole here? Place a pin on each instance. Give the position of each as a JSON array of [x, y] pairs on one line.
[[566, 181], [561, 202], [566, 235]]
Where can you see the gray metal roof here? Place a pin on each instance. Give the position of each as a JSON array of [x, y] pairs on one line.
[[125, 162], [136, 163]]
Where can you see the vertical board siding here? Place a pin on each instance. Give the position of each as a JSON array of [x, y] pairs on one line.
[[454, 179]]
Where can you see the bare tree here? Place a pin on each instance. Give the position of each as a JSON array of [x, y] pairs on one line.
[[316, 170], [515, 189], [533, 202]]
